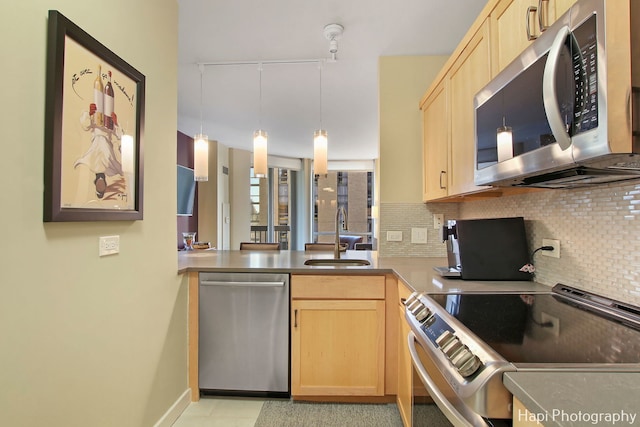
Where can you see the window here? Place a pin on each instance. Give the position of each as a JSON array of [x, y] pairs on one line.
[[271, 207], [353, 191]]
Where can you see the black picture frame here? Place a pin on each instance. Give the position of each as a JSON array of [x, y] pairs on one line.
[[93, 160]]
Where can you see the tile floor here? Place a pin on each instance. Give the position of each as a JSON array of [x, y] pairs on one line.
[[221, 412]]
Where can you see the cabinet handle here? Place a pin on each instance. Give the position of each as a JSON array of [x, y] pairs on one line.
[[530, 10], [295, 318], [542, 17], [442, 187]]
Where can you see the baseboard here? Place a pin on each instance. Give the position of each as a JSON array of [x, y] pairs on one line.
[[175, 410]]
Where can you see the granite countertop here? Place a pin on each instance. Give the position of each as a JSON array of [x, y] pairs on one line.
[[571, 399], [416, 272]]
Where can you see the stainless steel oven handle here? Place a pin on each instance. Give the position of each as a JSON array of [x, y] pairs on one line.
[[441, 400]]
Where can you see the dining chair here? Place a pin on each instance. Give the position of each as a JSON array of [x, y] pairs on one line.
[[253, 246], [363, 246], [324, 247]]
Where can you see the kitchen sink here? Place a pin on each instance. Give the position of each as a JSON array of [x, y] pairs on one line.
[[337, 262]]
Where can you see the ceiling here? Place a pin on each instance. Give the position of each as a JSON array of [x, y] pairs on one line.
[[228, 107]]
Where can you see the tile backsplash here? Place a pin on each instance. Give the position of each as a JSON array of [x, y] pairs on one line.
[[405, 216], [598, 229]]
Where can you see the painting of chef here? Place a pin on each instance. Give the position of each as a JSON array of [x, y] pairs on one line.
[[99, 118]]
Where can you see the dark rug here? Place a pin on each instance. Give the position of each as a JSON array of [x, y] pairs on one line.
[[287, 413]]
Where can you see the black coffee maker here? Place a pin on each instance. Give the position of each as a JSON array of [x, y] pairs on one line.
[[486, 249]]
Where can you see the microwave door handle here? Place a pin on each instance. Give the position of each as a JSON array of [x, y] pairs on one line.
[[550, 97], [441, 400]]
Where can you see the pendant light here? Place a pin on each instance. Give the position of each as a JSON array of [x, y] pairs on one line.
[[320, 140], [504, 139], [260, 140], [201, 146]]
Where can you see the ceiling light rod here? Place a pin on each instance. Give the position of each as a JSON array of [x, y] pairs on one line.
[[266, 61]]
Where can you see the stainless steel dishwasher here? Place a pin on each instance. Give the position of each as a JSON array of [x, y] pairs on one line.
[[244, 334]]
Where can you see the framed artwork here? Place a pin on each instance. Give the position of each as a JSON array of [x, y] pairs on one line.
[[93, 131]]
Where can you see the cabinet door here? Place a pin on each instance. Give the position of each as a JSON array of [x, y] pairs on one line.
[[509, 28], [337, 347], [468, 75], [435, 132], [557, 8]]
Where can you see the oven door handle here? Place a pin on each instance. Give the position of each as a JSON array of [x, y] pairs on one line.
[[441, 400]]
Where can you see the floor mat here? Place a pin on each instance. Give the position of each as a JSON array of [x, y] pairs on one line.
[[287, 413]]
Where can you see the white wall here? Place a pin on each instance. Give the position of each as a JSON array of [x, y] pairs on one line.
[[89, 341]]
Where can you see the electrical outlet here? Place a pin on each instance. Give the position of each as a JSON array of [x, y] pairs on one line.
[[394, 236], [555, 253], [108, 245], [418, 235], [555, 323], [438, 221]]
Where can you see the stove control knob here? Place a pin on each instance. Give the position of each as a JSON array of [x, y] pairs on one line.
[[462, 357], [469, 367], [444, 339], [423, 314], [417, 308], [452, 349], [412, 298]]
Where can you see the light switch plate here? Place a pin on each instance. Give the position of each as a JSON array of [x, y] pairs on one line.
[[418, 235], [108, 245], [394, 236]]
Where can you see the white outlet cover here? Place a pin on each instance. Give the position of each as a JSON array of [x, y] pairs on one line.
[[394, 236], [108, 245], [438, 221], [551, 242]]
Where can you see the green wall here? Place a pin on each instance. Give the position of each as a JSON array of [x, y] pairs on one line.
[[89, 341], [403, 81]]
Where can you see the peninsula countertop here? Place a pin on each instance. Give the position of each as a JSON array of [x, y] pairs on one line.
[[416, 272]]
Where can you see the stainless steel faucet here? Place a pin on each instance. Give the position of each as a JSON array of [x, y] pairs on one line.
[[336, 248]]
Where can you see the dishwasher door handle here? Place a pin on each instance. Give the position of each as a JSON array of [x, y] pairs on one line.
[[248, 283]]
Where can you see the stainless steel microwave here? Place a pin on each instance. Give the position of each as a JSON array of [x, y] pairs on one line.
[[563, 113]]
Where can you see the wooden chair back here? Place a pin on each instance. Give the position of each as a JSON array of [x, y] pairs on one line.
[[325, 247], [253, 246]]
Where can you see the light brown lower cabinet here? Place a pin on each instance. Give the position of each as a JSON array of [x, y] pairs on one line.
[[337, 335], [522, 417]]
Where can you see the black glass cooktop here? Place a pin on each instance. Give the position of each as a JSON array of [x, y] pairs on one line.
[[543, 328]]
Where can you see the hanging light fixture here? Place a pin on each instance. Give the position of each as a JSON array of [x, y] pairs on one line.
[[201, 146], [260, 141], [320, 140], [505, 141]]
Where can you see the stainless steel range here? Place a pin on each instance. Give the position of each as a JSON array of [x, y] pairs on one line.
[[462, 343]]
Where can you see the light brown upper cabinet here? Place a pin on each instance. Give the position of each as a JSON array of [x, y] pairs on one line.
[[469, 73], [435, 144], [559, 7], [516, 23], [499, 34], [448, 117]]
